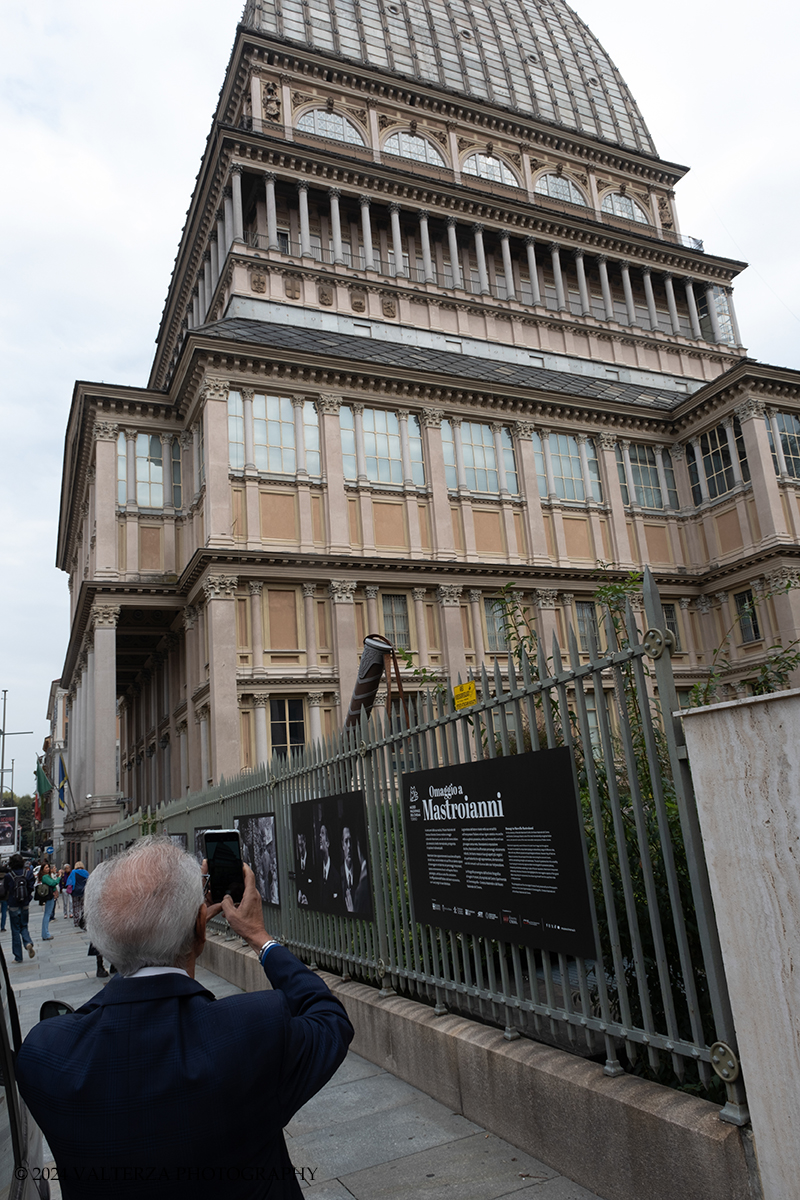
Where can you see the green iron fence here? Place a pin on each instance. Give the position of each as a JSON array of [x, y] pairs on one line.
[[655, 995]]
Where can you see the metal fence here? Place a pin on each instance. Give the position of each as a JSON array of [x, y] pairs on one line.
[[655, 997]]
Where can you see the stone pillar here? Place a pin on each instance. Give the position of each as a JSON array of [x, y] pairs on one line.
[[184, 756], [310, 619], [605, 287], [475, 599], [260, 705], [298, 405], [220, 592], [461, 473], [711, 306], [630, 307], [366, 234], [733, 451], [626, 457], [425, 240], [361, 460], [693, 317], [104, 694], [249, 429], [227, 203], [346, 647], [105, 493], [191, 658], [420, 625], [544, 434], [371, 591], [315, 700], [305, 225], [561, 296], [701, 470], [256, 588], [130, 467], [502, 482], [582, 441], [205, 762], [480, 254], [217, 523], [337, 521], [195, 309], [522, 432], [671, 305], [651, 300], [776, 440], [443, 541], [272, 212], [452, 242], [662, 476], [449, 598], [397, 240], [530, 250], [236, 190], [611, 489], [214, 255], [222, 248], [737, 337], [202, 296], [336, 226], [546, 624], [766, 492], [405, 449], [586, 307]]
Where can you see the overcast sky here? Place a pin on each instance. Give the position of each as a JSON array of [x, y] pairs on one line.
[[104, 112]]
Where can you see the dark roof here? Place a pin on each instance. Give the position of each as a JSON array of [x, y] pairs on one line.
[[374, 354]]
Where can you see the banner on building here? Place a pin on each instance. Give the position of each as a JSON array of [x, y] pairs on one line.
[[9, 819], [494, 848], [331, 857]]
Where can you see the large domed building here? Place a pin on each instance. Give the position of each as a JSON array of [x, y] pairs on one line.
[[432, 326]]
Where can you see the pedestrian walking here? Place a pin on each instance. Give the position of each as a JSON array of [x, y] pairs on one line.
[[66, 898], [18, 886], [47, 891], [76, 885]]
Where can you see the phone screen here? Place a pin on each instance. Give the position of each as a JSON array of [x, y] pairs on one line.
[[224, 858]]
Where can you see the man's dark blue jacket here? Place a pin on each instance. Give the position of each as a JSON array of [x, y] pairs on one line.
[[162, 1091]]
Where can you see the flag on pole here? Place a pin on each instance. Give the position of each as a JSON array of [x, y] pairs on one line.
[[43, 788], [63, 779]]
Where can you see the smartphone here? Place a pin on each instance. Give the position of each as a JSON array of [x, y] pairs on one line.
[[224, 858]]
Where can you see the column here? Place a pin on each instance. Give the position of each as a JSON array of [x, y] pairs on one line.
[[522, 432], [530, 249], [627, 289], [130, 467], [397, 240], [475, 598], [371, 592], [734, 453], [213, 251], [222, 249], [224, 732], [256, 587], [766, 491], [104, 718], [671, 305], [249, 434], [449, 598], [497, 430], [586, 308], [425, 240], [314, 717], [693, 317], [346, 648], [195, 309], [272, 212], [776, 439], [260, 706], [205, 766], [561, 298], [701, 470], [443, 541], [480, 254], [298, 405], [711, 306], [310, 620], [612, 492], [184, 756], [202, 298], [461, 474], [418, 595], [405, 449], [732, 313], [662, 476], [238, 216], [361, 460], [508, 269], [452, 243], [626, 456], [605, 287], [217, 516], [544, 434], [305, 226], [337, 522], [582, 440], [651, 300], [546, 626], [336, 226], [227, 201], [105, 506], [366, 233]]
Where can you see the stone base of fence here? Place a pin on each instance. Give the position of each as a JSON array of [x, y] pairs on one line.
[[623, 1138]]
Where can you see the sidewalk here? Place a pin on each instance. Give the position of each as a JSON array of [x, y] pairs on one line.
[[366, 1135]]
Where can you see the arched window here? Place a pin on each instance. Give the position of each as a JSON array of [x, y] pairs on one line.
[[409, 145], [559, 187], [490, 168], [623, 206], [330, 125]]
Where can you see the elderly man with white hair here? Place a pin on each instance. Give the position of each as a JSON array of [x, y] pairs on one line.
[[164, 1091]]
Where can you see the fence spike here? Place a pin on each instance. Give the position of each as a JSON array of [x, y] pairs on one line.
[[556, 656], [541, 662], [574, 652]]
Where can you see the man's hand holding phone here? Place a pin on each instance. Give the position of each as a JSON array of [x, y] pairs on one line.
[[247, 917]]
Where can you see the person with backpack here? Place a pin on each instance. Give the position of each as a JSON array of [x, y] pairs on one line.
[[76, 885], [46, 892], [66, 898], [18, 886]]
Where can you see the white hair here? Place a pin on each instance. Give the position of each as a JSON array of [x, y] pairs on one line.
[[141, 907]]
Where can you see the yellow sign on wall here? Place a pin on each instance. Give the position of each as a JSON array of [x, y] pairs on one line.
[[465, 695]]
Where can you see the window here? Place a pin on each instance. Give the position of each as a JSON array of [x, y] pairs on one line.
[[287, 726], [311, 435], [789, 431], [395, 621], [235, 431], [671, 622], [587, 624], [177, 490], [644, 470], [716, 462], [565, 457], [273, 434], [486, 167], [409, 145], [383, 453], [149, 471], [723, 312], [480, 461], [623, 206], [748, 619], [495, 633], [330, 125], [592, 720], [122, 470], [559, 187]]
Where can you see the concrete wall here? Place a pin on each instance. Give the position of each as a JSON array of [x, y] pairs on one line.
[[745, 760], [622, 1138]]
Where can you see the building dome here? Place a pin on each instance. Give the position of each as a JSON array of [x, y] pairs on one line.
[[536, 58]]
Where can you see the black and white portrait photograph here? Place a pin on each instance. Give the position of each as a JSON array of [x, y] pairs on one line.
[[180, 839], [260, 852], [332, 873]]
